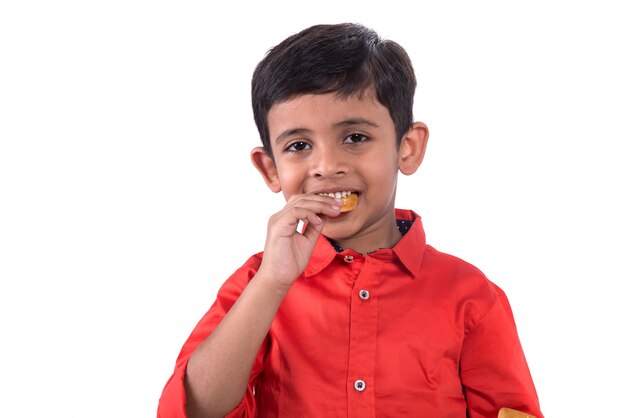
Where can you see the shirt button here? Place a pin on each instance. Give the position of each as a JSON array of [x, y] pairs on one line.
[[359, 385], [348, 259], [364, 294]]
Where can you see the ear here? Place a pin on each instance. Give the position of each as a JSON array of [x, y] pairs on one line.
[[413, 148], [266, 166]]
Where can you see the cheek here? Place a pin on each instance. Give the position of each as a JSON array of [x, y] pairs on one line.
[[291, 179], [383, 174]]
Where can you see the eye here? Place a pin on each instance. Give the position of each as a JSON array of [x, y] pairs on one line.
[[355, 139], [297, 146]]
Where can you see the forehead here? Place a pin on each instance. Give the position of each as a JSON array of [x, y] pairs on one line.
[[325, 111]]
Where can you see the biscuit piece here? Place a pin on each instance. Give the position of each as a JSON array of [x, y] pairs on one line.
[[349, 202]]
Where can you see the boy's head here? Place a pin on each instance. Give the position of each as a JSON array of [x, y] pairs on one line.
[[345, 59], [333, 105]]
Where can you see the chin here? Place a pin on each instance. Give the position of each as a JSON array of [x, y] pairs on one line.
[[338, 232]]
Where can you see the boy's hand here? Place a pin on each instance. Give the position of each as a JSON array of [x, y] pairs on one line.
[[287, 252]]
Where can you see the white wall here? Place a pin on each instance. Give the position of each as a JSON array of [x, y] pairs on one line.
[[127, 196]]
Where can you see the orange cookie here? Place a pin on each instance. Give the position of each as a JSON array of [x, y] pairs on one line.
[[349, 202]]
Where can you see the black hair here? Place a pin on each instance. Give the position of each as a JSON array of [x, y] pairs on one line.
[[345, 59]]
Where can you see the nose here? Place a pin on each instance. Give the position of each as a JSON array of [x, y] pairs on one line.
[[328, 161]]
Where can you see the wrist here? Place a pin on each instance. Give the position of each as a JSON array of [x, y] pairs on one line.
[[270, 282]]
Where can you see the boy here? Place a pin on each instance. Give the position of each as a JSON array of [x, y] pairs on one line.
[[354, 316]]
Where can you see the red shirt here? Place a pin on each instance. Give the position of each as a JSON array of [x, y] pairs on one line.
[[407, 331]]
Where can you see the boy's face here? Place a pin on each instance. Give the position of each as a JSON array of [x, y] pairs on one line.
[[326, 144]]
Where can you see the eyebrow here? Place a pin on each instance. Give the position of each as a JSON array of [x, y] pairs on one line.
[[356, 121], [343, 124], [291, 132]]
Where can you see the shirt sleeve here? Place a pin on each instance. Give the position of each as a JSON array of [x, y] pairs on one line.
[[173, 399], [494, 371]]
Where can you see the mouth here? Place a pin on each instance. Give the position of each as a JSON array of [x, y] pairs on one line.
[[338, 195], [348, 197]]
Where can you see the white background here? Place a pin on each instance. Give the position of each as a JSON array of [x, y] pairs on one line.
[[127, 196]]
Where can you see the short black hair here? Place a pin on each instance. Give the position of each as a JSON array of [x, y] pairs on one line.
[[345, 59]]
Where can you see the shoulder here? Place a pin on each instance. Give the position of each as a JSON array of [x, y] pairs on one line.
[[454, 269], [472, 291], [242, 276], [435, 259]]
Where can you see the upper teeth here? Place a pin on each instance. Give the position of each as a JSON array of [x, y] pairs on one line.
[[337, 195]]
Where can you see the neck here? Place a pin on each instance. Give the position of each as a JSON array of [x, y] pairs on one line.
[[384, 235]]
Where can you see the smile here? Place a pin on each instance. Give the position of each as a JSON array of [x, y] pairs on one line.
[[337, 195]]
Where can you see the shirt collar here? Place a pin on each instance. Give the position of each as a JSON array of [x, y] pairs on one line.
[[409, 250]]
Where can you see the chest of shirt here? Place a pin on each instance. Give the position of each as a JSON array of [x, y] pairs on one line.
[[367, 320]]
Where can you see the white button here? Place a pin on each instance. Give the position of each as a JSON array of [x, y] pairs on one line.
[[348, 259], [359, 385], [364, 294]]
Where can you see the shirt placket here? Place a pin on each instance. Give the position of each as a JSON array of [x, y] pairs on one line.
[[363, 323]]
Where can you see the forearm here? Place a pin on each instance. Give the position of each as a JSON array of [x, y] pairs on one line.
[[219, 369]]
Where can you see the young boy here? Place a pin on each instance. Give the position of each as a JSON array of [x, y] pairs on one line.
[[354, 316]]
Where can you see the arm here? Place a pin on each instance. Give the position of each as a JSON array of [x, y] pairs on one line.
[[218, 371], [494, 372]]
